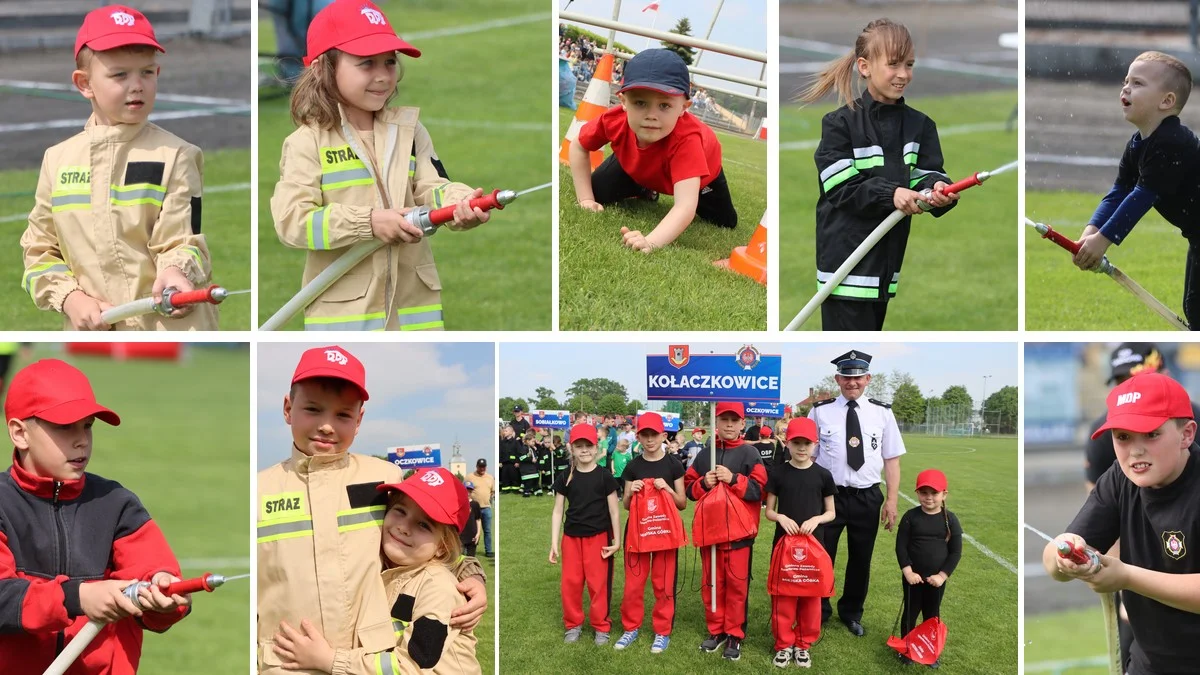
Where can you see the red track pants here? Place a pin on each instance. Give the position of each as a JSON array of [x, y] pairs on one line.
[[660, 566], [795, 622], [582, 564], [733, 582]]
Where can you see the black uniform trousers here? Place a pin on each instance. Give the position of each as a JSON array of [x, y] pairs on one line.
[[611, 184], [920, 599], [857, 512], [510, 477], [838, 314], [1191, 286]]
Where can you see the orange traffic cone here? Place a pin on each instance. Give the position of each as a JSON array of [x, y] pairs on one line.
[[594, 103], [762, 131], [750, 260]]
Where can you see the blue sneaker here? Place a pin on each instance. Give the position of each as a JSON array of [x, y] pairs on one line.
[[660, 643], [627, 639]]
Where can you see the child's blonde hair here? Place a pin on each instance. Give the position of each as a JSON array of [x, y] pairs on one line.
[[315, 97], [84, 58], [1179, 78], [881, 37], [448, 539], [622, 444]]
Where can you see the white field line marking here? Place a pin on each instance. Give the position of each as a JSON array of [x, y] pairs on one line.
[[174, 98], [209, 564], [1072, 160], [928, 62], [1063, 664], [154, 117], [232, 187], [478, 27], [734, 162], [487, 124], [974, 542], [948, 131]]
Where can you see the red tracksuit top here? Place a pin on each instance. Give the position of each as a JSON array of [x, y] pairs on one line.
[[56, 535]]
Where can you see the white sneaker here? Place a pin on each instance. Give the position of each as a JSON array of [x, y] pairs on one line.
[[803, 660], [783, 657]]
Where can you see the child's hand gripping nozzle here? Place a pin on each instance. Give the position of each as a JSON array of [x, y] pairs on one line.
[[430, 219], [1080, 555], [206, 582], [1086, 555], [172, 299]]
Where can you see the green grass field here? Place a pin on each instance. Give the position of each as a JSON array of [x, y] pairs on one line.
[[226, 228], [485, 97], [980, 606], [182, 449], [960, 271], [1060, 296], [1055, 641], [605, 286]]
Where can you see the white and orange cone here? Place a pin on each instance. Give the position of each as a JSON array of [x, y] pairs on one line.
[[594, 103], [762, 131], [750, 260]]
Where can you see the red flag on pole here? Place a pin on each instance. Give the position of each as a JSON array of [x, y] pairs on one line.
[[651, 6]]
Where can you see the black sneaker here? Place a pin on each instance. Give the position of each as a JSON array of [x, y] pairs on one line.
[[733, 649], [937, 663], [714, 642], [648, 195]]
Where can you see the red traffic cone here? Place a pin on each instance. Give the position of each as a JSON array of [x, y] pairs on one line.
[[594, 103]]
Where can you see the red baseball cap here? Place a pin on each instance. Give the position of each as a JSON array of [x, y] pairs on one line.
[[115, 26], [698, 430], [650, 420], [802, 427], [335, 362], [356, 27], [932, 478], [1143, 402], [54, 391], [733, 407], [583, 432], [439, 494]]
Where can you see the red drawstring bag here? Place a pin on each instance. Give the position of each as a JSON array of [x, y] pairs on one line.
[[800, 567], [924, 643], [721, 518], [654, 522]]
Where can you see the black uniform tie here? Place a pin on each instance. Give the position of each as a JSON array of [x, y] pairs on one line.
[[854, 449]]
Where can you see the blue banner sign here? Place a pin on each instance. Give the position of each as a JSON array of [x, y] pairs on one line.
[[744, 376], [416, 456], [760, 409], [551, 419]]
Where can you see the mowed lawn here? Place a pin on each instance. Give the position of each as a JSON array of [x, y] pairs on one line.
[[226, 228], [980, 605], [1067, 643], [1060, 296], [606, 286], [485, 97], [182, 449], [960, 270]]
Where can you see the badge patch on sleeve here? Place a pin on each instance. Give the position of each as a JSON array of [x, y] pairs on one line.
[[428, 638], [195, 215], [282, 505], [365, 494], [1174, 545], [144, 172]]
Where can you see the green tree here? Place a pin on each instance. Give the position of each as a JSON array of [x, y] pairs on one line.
[[880, 388], [581, 403], [674, 407], [611, 404], [696, 412], [682, 27], [1003, 402], [506, 406], [544, 392], [957, 395], [634, 406], [548, 403], [908, 404], [596, 389]]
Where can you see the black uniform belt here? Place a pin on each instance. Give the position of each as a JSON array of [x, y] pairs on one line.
[[853, 490]]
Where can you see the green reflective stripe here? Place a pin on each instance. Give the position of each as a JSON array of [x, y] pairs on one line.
[[423, 326], [412, 165], [529, 476], [913, 147], [892, 288], [417, 318], [138, 193], [358, 519], [317, 224], [853, 291], [439, 196], [44, 268], [340, 179], [375, 321], [868, 163], [869, 151], [67, 201], [386, 664], [917, 175], [398, 627], [835, 168], [195, 253], [910, 159], [839, 178], [287, 529]]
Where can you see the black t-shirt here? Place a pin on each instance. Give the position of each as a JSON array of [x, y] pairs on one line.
[[1167, 164], [468, 533], [587, 501], [766, 452], [1100, 453], [921, 542], [1159, 530], [520, 427], [800, 494], [669, 468], [511, 449]]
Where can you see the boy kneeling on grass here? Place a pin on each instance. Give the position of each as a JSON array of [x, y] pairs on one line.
[[657, 147], [1148, 500]]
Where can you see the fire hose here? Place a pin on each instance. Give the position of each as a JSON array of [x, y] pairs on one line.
[[207, 582], [172, 299], [428, 220], [1106, 267], [876, 235]]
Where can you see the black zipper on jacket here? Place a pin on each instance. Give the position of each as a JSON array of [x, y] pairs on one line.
[[60, 556]]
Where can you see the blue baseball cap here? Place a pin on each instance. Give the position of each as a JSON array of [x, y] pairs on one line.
[[658, 69]]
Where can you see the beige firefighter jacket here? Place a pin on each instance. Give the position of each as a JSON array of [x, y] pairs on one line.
[[421, 601], [322, 203], [115, 205]]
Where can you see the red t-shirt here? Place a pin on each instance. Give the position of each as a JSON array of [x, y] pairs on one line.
[[689, 151]]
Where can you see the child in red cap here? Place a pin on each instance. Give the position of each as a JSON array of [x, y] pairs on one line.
[[425, 515], [736, 463], [799, 500], [1147, 500], [590, 536], [657, 147], [52, 508], [665, 472], [928, 548], [319, 523], [113, 226], [352, 170]]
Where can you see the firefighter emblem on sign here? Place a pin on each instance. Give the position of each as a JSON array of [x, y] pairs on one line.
[[748, 357], [679, 355]]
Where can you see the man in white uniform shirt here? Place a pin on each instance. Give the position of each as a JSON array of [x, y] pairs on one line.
[[859, 443]]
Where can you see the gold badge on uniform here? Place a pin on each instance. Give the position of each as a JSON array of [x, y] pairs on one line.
[[854, 441], [1174, 545]]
